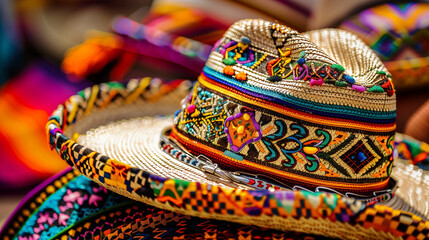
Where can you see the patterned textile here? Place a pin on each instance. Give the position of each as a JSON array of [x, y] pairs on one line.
[[413, 150], [187, 21], [398, 33], [173, 35], [25, 160], [135, 44]]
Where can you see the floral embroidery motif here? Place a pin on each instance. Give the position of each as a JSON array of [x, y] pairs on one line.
[[75, 201], [387, 85], [318, 75], [241, 130], [293, 144], [281, 67], [236, 52]]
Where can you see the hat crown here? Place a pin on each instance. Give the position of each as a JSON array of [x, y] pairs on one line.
[[316, 109], [327, 46]]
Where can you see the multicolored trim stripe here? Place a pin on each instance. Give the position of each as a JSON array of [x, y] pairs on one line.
[[271, 73], [316, 213], [328, 115], [257, 181]]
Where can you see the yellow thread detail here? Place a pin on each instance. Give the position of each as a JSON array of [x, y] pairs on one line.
[[144, 83], [92, 99], [73, 112], [194, 94], [310, 150], [246, 116], [256, 64], [425, 147], [75, 136], [240, 129]]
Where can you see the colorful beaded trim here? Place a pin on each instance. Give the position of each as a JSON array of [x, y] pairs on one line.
[[291, 211]]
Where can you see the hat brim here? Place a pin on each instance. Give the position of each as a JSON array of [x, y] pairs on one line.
[[45, 214], [121, 153]]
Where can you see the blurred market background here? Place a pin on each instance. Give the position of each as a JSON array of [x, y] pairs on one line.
[[51, 49]]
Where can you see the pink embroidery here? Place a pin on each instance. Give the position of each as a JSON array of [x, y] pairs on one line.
[[74, 197], [94, 199], [63, 219]]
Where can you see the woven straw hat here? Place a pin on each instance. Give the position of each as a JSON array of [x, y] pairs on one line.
[[283, 130]]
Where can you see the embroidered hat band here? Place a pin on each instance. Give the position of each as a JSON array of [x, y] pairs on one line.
[[315, 110]]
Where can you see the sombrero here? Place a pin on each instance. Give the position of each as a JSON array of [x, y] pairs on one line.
[[283, 130], [71, 206]]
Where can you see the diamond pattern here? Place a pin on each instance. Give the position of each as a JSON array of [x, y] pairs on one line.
[[357, 157]]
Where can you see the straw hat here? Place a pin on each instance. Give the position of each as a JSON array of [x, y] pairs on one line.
[[71, 206], [272, 111]]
